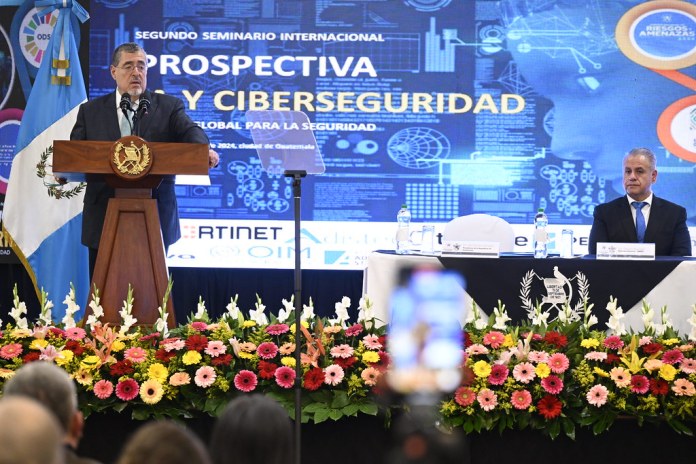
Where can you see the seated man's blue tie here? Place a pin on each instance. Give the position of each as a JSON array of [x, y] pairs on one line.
[[640, 220]]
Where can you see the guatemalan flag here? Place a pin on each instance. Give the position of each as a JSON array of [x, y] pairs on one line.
[[46, 230]]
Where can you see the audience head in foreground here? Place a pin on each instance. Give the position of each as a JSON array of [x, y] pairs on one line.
[[53, 388], [245, 428], [640, 216], [29, 433], [164, 442]]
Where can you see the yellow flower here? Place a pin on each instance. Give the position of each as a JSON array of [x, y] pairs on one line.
[[20, 333], [83, 377], [671, 341], [542, 370], [37, 344], [589, 343], [191, 357], [90, 362], [370, 357], [287, 361], [507, 341], [668, 372], [65, 357], [248, 323], [117, 346], [158, 372], [151, 391], [600, 372], [6, 373], [245, 355], [482, 369]]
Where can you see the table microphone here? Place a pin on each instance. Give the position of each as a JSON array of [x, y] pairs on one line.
[[125, 105]]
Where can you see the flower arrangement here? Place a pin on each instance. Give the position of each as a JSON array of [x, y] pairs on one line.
[[554, 376], [545, 373], [199, 366]]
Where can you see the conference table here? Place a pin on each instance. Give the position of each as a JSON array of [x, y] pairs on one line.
[[519, 281]]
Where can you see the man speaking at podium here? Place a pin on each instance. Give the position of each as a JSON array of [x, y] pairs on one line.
[[640, 216], [158, 118]]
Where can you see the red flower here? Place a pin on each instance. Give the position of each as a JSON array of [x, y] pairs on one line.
[[267, 369], [277, 329], [345, 363], [152, 337], [612, 358], [464, 396], [60, 333], [222, 360], [652, 348], [164, 355], [467, 340], [659, 387], [549, 407], [556, 339], [384, 360], [31, 357], [313, 379], [498, 374], [245, 381], [197, 342], [127, 389], [120, 368], [672, 357], [267, 350], [75, 346]]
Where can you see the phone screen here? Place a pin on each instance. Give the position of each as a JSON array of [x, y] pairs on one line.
[[425, 333]]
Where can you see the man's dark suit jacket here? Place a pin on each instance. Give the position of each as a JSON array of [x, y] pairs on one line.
[[613, 222], [166, 121]]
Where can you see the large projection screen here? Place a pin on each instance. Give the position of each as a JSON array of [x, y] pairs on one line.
[[450, 106]]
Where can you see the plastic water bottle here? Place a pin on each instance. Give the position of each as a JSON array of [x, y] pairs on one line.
[[541, 237], [403, 237]]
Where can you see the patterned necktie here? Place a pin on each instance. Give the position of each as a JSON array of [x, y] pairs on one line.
[[640, 220], [124, 124]]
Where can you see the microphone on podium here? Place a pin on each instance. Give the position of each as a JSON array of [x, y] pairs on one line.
[[126, 107]]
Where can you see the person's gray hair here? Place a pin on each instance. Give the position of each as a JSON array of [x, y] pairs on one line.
[[49, 385], [642, 151], [128, 47]]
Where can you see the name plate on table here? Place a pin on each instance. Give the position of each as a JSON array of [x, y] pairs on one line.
[[644, 251], [471, 249]]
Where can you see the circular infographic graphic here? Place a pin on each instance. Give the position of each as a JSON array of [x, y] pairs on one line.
[[660, 34], [418, 147], [34, 34]]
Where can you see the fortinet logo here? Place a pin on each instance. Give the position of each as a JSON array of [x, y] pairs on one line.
[[230, 232]]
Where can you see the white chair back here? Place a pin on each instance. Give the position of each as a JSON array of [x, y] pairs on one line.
[[481, 227]]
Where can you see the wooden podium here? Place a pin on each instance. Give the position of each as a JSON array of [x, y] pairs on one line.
[[131, 250]]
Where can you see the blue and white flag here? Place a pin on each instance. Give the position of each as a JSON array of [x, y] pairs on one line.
[[46, 229]]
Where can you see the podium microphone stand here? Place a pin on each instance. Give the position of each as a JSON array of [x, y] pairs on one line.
[[286, 146]]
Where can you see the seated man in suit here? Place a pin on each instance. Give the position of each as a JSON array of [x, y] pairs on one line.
[[640, 216]]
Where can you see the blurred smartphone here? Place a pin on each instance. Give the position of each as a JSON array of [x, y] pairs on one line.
[[425, 339]]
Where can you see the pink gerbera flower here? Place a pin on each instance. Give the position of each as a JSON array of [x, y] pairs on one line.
[[596, 356], [179, 379], [205, 376], [559, 363], [476, 348], [277, 329], [372, 342], [487, 399], [552, 384], [524, 372], [333, 375], [464, 396], [135, 354], [75, 333], [521, 399], [688, 366], [683, 387], [10, 351], [494, 339], [199, 326], [127, 389], [267, 350], [597, 396], [672, 357], [498, 374], [342, 351], [354, 330], [285, 376], [215, 348], [613, 343], [245, 381], [103, 389], [640, 384], [370, 376], [538, 356]]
